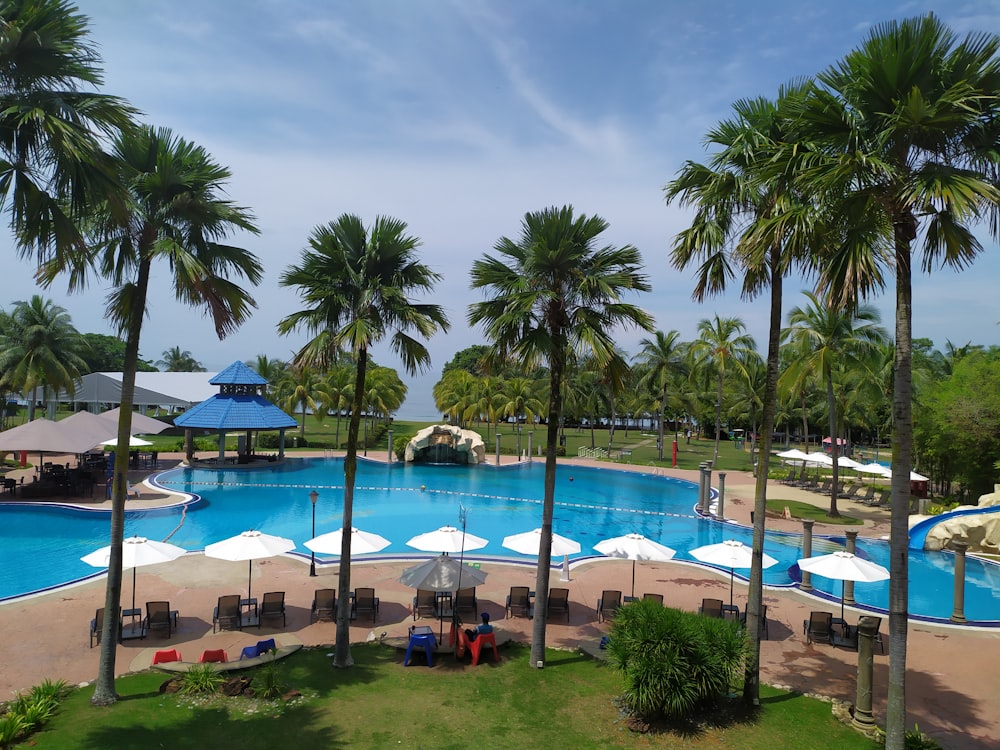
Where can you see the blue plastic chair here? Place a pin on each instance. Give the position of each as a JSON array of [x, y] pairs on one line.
[[426, 642], [248, 652], [264, 646]]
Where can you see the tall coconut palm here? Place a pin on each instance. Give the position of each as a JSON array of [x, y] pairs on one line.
[[517, 398], [272, 370], [176, 359], [660, 356], [39, 347], [721, 347], [52, 168], [902, 136], [335, 394], [300, 390], [826, 339], [176, 215], [550, 293], [355, 284]]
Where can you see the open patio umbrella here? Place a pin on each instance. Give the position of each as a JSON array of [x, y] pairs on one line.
[[442, 573], [250, 545], [871, 468], [528, 542], [137, 552], [141, 424], [446, 540], [914, 476], [133, 442], [844, 566], [362, 542], [793, 454], [730, 554], [634, 547]]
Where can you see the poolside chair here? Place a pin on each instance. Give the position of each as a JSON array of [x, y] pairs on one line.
[[425, 604], [272, 606], [868, 498], [160, 617], [823, 488], [658, 598], [559, 602], [790, 479], [465, 602], [213, 655], [227, 613], [850, 491], [97, 626], [711, 608], [166, 656], [475, 647], [609, 604], [366, 601], [519, 602], [324, 606], [819, 626], [885, 499]]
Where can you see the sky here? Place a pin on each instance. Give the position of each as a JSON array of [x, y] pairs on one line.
[[458, 117]]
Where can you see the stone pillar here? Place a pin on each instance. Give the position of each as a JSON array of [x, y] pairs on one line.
[[807, 550], [863, 717], [531, 435], [391, 454], [702, 503], [852, 545], [498, 449], [720, 510], [958, 613]]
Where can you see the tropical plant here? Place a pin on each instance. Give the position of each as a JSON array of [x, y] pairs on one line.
[[661, 358], [175, 360], [176, 214], [40, 348], [269, 683], [298, 391], [900, 145], [105, 353], [200, 679], [12, 728], [272, 370], [356, 284], [551, 293]]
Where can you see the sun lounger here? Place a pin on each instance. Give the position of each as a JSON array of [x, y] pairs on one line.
[[324, 605], [227, 613], [425, 604], [365, 601], [819, 626], [559, 602], [711, 608], [159, 616], [272, 606], [519, 602], [658, 598], [466, 603], [609, 604]]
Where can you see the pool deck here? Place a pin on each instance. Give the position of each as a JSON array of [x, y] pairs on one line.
[[953, 683]]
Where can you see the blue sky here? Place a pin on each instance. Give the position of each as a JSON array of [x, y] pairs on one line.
[[459, 117]]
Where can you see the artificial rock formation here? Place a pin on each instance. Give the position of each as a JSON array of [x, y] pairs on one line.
[[445, 443], [980, 531]]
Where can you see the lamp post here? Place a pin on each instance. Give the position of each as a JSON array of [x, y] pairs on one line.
[[313, 497]]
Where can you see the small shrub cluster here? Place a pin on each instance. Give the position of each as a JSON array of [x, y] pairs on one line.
[[917, 740], [674, 662], [28, 712], [399, 446], [201, 678]]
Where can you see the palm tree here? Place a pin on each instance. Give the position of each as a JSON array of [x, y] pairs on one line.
[[660, 356], [721, 345], [175, 360], [176, 214], [827, 339], [355, 284], [52, 168], [299, 391], [517, 399], [902, 137], [272, 370], [553, 292], [335, 394], [40, 347]]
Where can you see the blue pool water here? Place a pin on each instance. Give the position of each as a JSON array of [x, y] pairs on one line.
[[41, 545]]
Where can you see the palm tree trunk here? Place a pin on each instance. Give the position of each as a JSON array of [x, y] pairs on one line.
[[718, 420], [104, 689], [557, 365], [663, 418], [755, 594], [831, 405], [302, 427], [342, 652], [902, 454]]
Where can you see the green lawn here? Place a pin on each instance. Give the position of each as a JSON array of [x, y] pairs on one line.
[[800, 509], [380, 704]]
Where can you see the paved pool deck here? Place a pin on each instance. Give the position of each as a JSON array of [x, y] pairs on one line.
[[953, 683]]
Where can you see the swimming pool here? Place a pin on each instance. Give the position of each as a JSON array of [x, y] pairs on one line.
[[40, 545]]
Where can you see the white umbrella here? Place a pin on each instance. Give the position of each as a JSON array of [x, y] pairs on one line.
[[250, 545], [847, 463], [730, 554], [793, 454], [634, 547], [872, 468], [844, 566], [819, 457], [447, 539], [914, 476], [442, 573], [362, 542], [528, 543], [137, 551], [133, 442]]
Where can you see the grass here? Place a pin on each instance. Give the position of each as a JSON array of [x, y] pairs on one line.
[[800, 509], [380, 704]]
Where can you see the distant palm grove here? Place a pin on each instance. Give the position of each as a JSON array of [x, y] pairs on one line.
[[884, 161]]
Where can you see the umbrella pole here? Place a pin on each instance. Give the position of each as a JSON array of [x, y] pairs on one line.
[[843, 589], [732, 576], [249, 578], [133, 588], [633, 579]]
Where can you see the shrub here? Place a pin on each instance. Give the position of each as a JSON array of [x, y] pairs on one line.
[[673, 662], [34, 710], [399, 446], [12, 726], [201, 678], [268, 440], [268, 682], [55, 689], [917, 740]]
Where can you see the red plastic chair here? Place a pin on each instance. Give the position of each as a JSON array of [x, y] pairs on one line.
[[168, 655], [476, 646], [213, 655]]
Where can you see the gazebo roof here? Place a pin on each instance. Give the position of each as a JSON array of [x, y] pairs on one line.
[[238, 374], [235, 412]]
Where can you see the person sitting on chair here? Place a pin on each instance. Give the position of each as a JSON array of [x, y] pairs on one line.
[[483, 627]]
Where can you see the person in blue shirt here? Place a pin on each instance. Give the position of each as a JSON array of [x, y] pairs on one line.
[[483, 627]]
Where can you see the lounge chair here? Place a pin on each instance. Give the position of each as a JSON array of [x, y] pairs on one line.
[[366, 601], [227, 613], [823, 488], [868, 498], [848, 492], [609, 604], [519, 602], [658, 598], [885, 499], [711, 608], [819, 626], [97, 626], [259, 649], [790, 479], [559, 602], [466, 603], [324, 606], [272, 606], [160, 617], [424, 604]]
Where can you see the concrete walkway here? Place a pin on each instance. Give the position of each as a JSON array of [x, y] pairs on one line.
[[953, 687]]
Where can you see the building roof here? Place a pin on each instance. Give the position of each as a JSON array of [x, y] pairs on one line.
[[235, 412], [238, 374], [180, 389]]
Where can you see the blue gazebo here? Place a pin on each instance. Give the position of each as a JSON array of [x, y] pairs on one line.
[[238, 406]]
